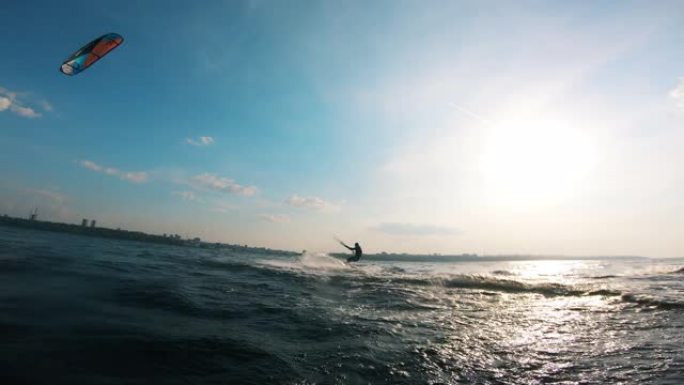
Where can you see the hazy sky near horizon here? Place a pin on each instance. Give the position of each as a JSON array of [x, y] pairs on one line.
[[543, 127]]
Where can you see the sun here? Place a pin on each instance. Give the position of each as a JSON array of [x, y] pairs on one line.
[[534, 162]]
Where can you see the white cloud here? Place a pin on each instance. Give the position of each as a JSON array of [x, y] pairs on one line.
[[26, 112], [221, 184], [276, 218], [677, 94], [131, 176], [11, 101], [8, 93], [48, 194], [223, 207], [312, 203], [412, 229], [186, 195], [136, 177], [46, 105], [91, 165], [201, 141]]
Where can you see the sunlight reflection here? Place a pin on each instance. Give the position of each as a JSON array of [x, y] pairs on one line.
[[555, 271]]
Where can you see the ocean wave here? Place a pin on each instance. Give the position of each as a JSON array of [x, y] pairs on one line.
[[321, 266], [224, 264], [652, 302], [504, 273], [605, 277], [317, 267], [604, 292], [308, 262], [153, 295], [487, 283]]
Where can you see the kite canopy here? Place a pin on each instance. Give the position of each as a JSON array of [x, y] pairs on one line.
[[90, 53]]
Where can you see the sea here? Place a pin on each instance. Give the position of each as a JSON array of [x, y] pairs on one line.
[[85, 310]]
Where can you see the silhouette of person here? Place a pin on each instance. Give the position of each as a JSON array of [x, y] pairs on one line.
[[357, 252]]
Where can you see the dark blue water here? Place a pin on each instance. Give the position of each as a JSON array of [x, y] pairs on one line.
[[79, 310]]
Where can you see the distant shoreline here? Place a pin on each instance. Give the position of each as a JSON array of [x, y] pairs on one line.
[[103, 232], [100, 232]]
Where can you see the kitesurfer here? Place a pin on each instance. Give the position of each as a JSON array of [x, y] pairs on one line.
[[357, 252]]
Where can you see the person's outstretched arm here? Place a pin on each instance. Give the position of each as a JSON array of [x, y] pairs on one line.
[[343, 244]]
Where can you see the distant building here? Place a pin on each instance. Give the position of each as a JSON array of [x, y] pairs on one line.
[[84, 222], [92, 223]]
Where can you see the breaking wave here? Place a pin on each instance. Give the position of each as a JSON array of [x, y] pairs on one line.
[[504, 273], [651, 302], [335, 271]]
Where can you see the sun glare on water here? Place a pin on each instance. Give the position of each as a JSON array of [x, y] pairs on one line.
[[534, 162], [549, 270]]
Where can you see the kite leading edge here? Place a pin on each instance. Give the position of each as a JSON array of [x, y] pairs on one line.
[[90, 53]]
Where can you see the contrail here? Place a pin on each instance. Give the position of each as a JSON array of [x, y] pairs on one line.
[[470, 113]]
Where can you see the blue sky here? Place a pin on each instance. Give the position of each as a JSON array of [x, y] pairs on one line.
[[527, 127]]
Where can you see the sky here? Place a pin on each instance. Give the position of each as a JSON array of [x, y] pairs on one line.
[[488, 127]]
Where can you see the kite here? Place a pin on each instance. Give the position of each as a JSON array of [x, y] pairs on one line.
[[90, 53]]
